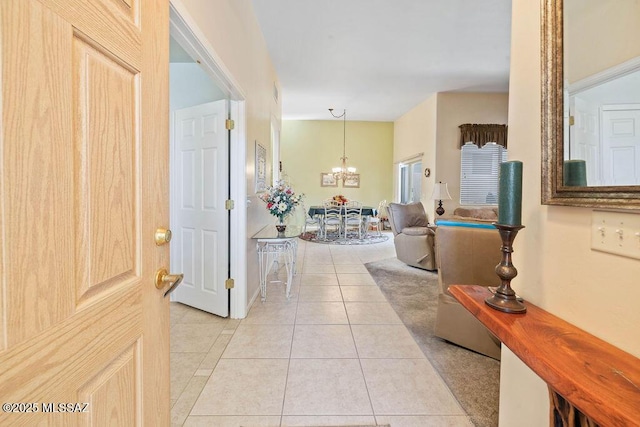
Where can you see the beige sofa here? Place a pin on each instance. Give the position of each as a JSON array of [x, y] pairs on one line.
[[413, 235], [466, 255]]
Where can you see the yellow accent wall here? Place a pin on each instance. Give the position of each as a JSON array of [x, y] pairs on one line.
[[432, 128], [310, 147], [557, 270]]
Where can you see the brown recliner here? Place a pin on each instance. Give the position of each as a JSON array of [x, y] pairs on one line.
[[413, 236], [466, 256]]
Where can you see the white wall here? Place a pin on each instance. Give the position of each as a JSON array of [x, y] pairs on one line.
[[190, 85], [455, 109], [413, 133], [432, 128], [557, 270]]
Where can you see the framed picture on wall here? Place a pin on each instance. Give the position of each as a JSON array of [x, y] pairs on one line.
[[328, 180], [352, 182], [261, 168]]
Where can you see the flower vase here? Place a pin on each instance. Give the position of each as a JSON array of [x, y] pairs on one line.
[[280, 226]]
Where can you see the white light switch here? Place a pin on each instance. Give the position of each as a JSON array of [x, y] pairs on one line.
[[616, 233]]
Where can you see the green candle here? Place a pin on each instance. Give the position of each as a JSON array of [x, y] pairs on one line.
[[575, 173], [510, 193]]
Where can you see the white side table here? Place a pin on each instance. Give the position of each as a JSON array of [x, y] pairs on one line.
[[270, 246]]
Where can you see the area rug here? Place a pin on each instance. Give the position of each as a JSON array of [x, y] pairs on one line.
[[334, 239], [473, 379]]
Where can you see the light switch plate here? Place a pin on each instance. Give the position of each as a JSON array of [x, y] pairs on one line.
[[616, 233]]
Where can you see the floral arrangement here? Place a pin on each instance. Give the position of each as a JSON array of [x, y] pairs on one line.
[[340, 199], [281, 200]]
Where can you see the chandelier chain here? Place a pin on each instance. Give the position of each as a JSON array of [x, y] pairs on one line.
[[343, 173]]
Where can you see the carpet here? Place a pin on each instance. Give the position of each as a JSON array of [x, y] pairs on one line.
[[334, 239], [474, 379]]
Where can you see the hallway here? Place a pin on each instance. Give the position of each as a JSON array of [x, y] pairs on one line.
[[335, 354]]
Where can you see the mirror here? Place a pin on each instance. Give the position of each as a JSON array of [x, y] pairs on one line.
[[591, 103]]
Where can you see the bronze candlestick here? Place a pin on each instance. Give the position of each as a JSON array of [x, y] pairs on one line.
[[504, 299]]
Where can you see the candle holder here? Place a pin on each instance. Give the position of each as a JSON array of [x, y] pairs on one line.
[[505, 299]]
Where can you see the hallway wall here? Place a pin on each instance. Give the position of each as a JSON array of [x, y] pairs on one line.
[[557, 270], [231, 28]]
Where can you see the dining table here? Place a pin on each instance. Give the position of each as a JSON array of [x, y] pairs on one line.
[[367, 213], [319, 210]]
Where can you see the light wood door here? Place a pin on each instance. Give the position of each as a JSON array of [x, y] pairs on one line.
[[200, 171], [83, 187]]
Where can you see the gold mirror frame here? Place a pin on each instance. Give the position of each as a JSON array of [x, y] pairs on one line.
[[554, 192]]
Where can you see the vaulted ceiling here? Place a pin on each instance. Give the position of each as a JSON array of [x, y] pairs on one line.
[[380, 58]]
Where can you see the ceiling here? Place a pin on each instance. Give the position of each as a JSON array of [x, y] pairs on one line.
[[380, 58]]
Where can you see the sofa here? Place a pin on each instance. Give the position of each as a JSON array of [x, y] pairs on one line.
[[485, 214], [413, 236], [467, 254]]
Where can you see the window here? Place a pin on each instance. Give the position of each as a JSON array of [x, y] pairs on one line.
[[479, 169]]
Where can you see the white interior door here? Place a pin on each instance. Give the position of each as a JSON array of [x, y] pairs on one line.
[[621, 145], [200, 177], [585, 137]]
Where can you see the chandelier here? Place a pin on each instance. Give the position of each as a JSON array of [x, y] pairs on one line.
[[343, 173]]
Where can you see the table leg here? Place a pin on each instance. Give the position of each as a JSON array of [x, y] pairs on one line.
[[262, 265]]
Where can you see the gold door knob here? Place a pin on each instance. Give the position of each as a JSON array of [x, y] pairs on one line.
[[163, 277], [162, 236]]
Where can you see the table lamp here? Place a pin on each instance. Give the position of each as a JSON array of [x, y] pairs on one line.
[[440, 193]]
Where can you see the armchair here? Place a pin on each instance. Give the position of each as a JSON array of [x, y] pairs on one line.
[[466, 254], [413, 237]]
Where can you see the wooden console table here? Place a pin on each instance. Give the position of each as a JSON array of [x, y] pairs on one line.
[[599, 380]]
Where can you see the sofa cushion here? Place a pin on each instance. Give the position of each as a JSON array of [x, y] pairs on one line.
[[409, 215], [477, 213], [417, 231]]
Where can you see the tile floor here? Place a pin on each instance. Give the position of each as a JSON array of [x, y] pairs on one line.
[[335, 354]]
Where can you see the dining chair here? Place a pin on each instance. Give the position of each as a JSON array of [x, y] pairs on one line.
[[376, 220], [310, 220], [353, 218], [332, 217]]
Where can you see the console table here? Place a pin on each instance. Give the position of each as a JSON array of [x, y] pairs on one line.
[[590, 381], [270, 246]]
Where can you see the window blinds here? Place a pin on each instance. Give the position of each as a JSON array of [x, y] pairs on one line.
[[479, 169]]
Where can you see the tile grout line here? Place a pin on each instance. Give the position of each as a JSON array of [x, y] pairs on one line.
[[286, 378]]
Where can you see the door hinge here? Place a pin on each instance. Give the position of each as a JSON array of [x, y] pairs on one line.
[[229, 124], [572, 120], [229, 283], [228, 204]]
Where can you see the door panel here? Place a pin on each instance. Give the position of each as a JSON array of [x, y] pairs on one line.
[[83, 186], [201, 181], [621, 146], [585, 138], [105, 195]]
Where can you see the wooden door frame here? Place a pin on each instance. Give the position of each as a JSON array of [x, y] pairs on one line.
[[187, 33]]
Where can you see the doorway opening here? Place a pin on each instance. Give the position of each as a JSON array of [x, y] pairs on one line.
[[196, 78]]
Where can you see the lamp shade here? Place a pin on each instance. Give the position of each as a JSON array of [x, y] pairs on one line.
[[440, 192]]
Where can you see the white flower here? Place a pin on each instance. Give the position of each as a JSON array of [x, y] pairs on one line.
[[281, 199]]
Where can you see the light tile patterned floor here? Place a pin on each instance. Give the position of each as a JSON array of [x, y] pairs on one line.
[[334, 354]]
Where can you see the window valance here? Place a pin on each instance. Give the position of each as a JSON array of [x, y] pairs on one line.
[[480, 134]]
